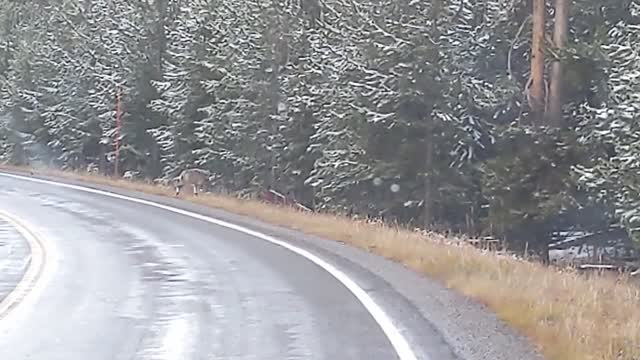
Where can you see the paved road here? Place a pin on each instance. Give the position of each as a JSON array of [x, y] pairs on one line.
[[131, 281]]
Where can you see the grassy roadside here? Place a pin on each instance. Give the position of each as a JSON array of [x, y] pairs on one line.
[[567, 316]]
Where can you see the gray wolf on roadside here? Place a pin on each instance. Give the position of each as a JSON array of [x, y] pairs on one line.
[[197, 178]]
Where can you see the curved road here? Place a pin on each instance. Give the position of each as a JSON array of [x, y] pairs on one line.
[[126, 280]]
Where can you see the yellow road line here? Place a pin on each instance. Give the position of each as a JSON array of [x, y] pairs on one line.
[[37, 263]]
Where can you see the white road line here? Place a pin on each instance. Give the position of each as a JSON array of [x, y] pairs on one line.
[[32, 282], [398, 341]]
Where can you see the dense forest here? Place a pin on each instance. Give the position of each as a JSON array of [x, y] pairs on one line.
[[507, 118]]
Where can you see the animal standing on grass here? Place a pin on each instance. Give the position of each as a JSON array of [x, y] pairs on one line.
[[197, 178]]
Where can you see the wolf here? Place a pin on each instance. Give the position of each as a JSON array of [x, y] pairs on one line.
[[197, 178]]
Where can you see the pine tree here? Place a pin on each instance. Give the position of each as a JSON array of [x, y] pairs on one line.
[[409, 110], [610, 128]]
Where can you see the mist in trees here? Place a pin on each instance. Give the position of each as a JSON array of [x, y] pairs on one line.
[[510, 118]]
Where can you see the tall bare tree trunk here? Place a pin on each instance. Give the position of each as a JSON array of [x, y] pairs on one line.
[[274, 37], [161, 29], [560, 34], [428, 201], [537, 89]]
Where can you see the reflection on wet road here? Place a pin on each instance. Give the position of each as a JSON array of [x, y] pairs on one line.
[[135, 282]]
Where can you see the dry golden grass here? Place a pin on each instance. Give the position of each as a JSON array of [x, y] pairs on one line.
[[569, 317]]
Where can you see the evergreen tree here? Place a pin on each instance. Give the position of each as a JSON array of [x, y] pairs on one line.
[[420, 112]]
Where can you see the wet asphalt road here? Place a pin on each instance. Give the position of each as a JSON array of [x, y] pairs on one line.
[[131, 281]]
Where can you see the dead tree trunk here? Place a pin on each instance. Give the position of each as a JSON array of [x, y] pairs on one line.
[[537, 89], [560, 34]]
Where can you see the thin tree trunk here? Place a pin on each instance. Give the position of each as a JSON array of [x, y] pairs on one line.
[[544, 250], [428, 201], [427, 206], [560, 34], [274, 93], [537, 89], [102, 161], [156, 164], [161, 7]]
